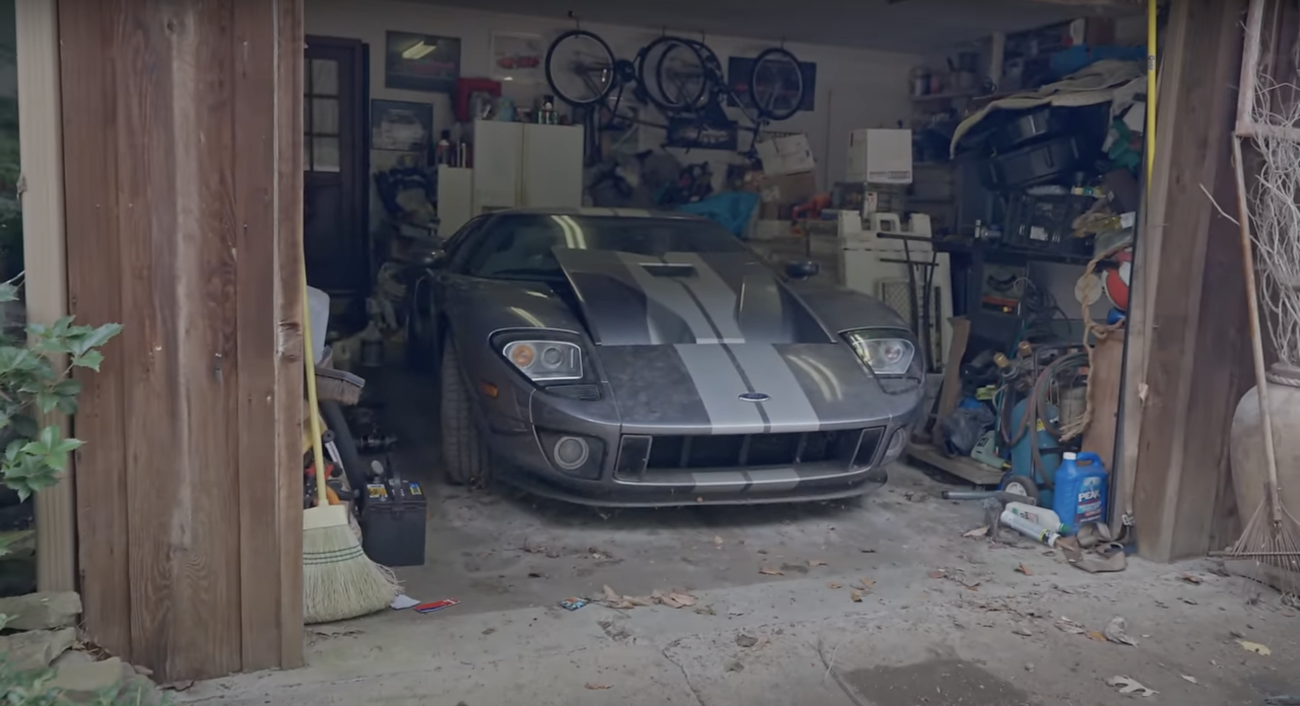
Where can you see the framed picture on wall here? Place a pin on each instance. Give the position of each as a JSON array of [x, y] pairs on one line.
[[421, 62], [400, 126], [517, 56], [740, 69]]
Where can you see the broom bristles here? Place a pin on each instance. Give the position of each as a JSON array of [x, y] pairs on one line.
[[1273, 546], [338, 580]]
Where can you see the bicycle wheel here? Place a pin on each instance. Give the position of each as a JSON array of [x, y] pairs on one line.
[[580, 67], [679, 78], [776, 84]]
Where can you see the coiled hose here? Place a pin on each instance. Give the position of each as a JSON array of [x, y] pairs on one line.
[[1036, 410]]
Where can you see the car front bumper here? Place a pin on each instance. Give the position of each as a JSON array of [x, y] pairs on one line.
[[671, 465]]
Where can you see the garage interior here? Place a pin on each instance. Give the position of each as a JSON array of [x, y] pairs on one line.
[[987, 173], [980, 242]]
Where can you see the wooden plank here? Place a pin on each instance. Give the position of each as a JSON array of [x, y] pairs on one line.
[[90, 175], [964, 468], [950, 394], [254, 47], [1107, 369], [146, 195], [1178, 453], [1146, 263], [289, 368], [44, 249]]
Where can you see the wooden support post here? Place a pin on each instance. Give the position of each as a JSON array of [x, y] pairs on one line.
[[182, 137], [44, 248], [1197, 366]]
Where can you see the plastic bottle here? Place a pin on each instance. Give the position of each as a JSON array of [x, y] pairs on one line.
[[1043, 517], [1081, 489], [1029, 528]]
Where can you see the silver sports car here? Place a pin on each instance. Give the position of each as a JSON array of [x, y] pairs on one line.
[[646, 359]]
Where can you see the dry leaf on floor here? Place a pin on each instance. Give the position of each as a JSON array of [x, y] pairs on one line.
[[611, 595], [834, 585], [814, 563], [856, 596], [978, 532], [680, 600], [770, 572], [762, 640], [1094, 635], [1190, 680], [1024, 570], [938, 574], [1129, 685], [1115, 632], [596, 687], [867, 583], [1194, 580], [1255, 647], [1064, 624], [717, 541]]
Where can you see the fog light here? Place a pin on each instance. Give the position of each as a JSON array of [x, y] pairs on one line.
[[571, 453], [897, 443]]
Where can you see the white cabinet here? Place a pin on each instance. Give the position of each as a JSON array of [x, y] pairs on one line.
[[526, 165], [455, 198]]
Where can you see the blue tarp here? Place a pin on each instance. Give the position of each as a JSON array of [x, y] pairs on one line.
[[732, 209]]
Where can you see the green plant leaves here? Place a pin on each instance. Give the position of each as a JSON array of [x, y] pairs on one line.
[[36, 457]]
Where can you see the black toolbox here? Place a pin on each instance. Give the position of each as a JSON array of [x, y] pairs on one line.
[[393, 515]]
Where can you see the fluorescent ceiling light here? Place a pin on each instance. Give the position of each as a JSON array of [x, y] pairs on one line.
[[419, 50]]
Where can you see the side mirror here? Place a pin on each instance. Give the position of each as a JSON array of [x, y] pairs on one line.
[[802, 269]]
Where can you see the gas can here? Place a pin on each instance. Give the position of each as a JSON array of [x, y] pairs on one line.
[[1081, 489]]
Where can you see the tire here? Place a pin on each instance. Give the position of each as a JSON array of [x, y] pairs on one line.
[[551, 73], [332, 414], [776, 54], [654, 90], [1022, 485], [421, 333], [464, 452]]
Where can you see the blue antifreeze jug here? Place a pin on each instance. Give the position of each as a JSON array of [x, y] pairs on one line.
[[1081, 490]]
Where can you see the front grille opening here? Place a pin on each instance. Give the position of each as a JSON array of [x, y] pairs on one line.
[[752, 450], [867, 449]]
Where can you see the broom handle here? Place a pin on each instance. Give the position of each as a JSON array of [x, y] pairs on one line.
[[313, 402], [1256, 339]]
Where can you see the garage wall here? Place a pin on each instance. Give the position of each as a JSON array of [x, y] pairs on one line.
[[855, 89]]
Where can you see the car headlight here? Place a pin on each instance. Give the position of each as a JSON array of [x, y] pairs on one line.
[[885, 354], [545, 361]]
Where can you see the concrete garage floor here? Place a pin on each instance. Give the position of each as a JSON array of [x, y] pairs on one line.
[[946, 619]]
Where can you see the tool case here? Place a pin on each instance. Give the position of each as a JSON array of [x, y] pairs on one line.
[[393, 513]]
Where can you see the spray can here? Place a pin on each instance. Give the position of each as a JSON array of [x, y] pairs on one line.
[[1029, 528]]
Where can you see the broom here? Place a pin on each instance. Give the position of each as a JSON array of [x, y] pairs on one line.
[[338, 580], [1272, 537]]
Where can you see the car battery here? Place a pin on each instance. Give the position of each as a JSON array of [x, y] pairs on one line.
[[392, 520]]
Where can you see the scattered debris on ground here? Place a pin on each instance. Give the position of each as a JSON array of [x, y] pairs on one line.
[[1115, 632], [768, 571], [596, 687], [1129, 685], [1255, 647], [672, 599]]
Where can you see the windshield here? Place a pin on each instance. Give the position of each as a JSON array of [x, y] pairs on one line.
[[522, 245]]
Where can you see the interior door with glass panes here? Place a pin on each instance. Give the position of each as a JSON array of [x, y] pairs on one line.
[[335, 239]]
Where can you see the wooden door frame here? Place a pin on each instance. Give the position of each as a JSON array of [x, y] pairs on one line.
[[191, 580]]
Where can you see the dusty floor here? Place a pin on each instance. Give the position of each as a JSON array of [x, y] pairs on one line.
[[945, 619]]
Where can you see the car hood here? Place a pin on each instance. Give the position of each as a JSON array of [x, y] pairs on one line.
[[684, 298]]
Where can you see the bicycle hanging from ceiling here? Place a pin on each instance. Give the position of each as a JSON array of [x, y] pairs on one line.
[[680, 77]]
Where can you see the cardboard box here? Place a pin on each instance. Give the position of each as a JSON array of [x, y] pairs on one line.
[[779, 194], [880, 156], [786, 155]]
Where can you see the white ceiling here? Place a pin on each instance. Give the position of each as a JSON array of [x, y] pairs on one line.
[[912, 26]]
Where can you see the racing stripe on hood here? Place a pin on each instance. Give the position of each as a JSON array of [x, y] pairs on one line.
[[675, 296], [787, 408], [720, 382]]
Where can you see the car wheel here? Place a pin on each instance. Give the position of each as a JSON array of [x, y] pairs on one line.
[[463, 448]]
